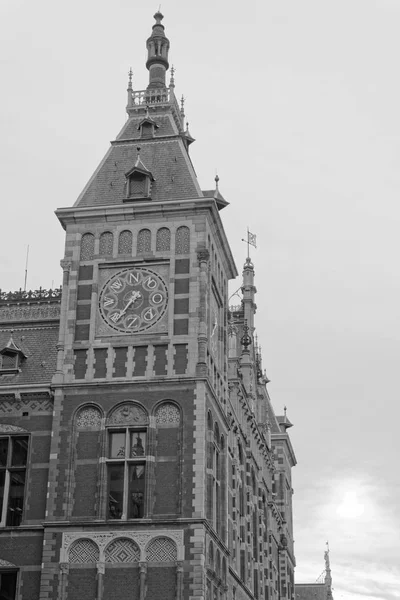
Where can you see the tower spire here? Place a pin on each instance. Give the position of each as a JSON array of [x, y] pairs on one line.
[[157, 54]]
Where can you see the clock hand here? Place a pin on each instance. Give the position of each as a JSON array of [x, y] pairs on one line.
[[134, 296]]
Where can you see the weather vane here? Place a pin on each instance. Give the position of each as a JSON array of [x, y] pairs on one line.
[[251, 241]]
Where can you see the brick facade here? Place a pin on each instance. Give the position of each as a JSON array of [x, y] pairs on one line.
[[155, 465]]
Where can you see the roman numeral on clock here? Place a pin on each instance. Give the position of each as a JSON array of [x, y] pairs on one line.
[[108, 301], [116, 285]]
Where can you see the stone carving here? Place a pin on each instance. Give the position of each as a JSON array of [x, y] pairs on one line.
[[89, 418], [32, 312], [11, 429], [128, 414], [5, 563], [64, 568], [203, 255], [65, 265], [168, 414], [101, 568]]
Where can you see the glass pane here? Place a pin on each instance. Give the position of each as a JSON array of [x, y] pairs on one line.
[[136, 491], [2, 482], [138, 443], [117, 444], [19, 451], [8, 582], [15, 498], [115, 491], [3, 451]]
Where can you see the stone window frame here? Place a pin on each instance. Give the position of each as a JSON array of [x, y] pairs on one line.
[[130, 463], [17, 512]]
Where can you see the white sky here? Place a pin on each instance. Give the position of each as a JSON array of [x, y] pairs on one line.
[[296, 103]]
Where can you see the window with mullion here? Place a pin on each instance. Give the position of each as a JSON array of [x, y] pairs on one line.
[[126, 465], [13, 461]]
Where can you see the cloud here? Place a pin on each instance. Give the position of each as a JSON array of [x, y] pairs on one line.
[[358, 515]]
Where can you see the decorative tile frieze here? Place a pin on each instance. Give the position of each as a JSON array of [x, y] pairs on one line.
[[163, 545]]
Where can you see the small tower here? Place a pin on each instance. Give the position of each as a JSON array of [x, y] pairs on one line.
[[157, 54]]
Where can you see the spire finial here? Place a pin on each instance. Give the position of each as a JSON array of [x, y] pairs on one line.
[[138, 148], [183, 106], [130, 74], [159, 16], [172, 80], [216, 179]]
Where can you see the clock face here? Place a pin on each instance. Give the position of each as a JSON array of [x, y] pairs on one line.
[[133, 300]]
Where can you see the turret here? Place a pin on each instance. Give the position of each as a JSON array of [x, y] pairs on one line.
[[157, 54]]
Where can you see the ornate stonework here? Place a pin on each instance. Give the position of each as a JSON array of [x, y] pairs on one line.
[[11, 429], [168, 414], [203, 255], [163, 545], [128, 414], [34, 312], [89, 418], [122, 551]]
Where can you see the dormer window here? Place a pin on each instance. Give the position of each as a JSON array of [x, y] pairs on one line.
[[138, 186], [138, 182], [147, 127], [10, 358], [147, 130], [9, 362]]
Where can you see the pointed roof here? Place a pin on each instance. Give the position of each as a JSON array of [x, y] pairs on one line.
[[140, 167], [12, 348]]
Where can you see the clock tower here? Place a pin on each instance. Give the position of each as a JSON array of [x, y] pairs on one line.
[[138, 475]]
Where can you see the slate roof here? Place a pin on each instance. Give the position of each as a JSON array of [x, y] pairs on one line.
[[131, 132], [164, 155], [167, 160], [39, 346], [310, 591]]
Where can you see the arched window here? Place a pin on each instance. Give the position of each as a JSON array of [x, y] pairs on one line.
[[125, 242], [209, 421], [182, 240], [127, 461], [106, 244], [163, 241], [87, 246], [211, 556], [144, 241]]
